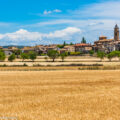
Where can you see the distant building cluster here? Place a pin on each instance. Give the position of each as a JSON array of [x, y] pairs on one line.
[[108, 45], [43, 49], [103, 44]]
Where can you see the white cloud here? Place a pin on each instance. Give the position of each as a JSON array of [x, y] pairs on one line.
[[100, 10], [66, 33], [46, 12], [53, 22], [57, 10], [27, 38], [94, 19]]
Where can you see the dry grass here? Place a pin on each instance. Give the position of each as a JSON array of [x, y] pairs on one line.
[[69, 60], [60, 95], [39, 68], [59, 63]]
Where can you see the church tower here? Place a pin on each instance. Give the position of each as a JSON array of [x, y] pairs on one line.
[[116, 33]]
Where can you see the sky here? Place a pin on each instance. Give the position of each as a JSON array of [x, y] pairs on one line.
[[34, 22]]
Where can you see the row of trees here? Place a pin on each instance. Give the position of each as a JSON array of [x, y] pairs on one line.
[[110, 56], [31, 55], [52, 54]]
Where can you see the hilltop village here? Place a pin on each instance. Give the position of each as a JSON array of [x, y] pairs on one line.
[[103, 44]]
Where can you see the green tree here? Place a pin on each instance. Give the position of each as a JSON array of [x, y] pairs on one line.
[[91, 53], [32, 55], [119, 55], [63, 55], [60, 46], [83, 40], [24, 56], [101, 55], [53, 54], [2, 55], [17, 52], [116, 54], [64, 44], [71, 43], [11, 57], [110, 56]]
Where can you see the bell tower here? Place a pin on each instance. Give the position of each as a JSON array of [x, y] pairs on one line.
[[116, 33]]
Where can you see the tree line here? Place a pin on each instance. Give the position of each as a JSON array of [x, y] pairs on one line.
[[31, 55], [52, 54], [110, 55]]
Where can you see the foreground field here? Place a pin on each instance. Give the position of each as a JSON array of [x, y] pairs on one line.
[[60, 95]]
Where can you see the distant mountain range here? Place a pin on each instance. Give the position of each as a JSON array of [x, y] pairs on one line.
[[14, 46]]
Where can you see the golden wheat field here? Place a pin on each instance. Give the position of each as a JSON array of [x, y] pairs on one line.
[[60, 95]]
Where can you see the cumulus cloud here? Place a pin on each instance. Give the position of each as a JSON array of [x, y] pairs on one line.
[[46, 12], [27, 38], [64, 34]]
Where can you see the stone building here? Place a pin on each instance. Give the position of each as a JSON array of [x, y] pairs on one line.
[[108, 45], [70, 48], [83, 47]]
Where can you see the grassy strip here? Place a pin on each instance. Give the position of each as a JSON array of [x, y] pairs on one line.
[[55, 68], [38, 65], [100, 68]]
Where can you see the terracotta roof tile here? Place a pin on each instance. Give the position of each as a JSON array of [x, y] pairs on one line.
[[82, 44]]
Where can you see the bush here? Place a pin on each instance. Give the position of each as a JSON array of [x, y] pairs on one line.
[[4, 65], [91, 53], [25, 64], [75, 53], [43, 54], [46, 59], [11, 57]]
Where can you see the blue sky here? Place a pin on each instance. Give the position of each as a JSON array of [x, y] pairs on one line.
[[27, 10], [31, 22]]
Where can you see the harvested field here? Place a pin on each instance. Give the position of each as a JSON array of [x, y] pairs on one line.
[[58, 63], [68, 61], [60, 95], [30, 64]]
